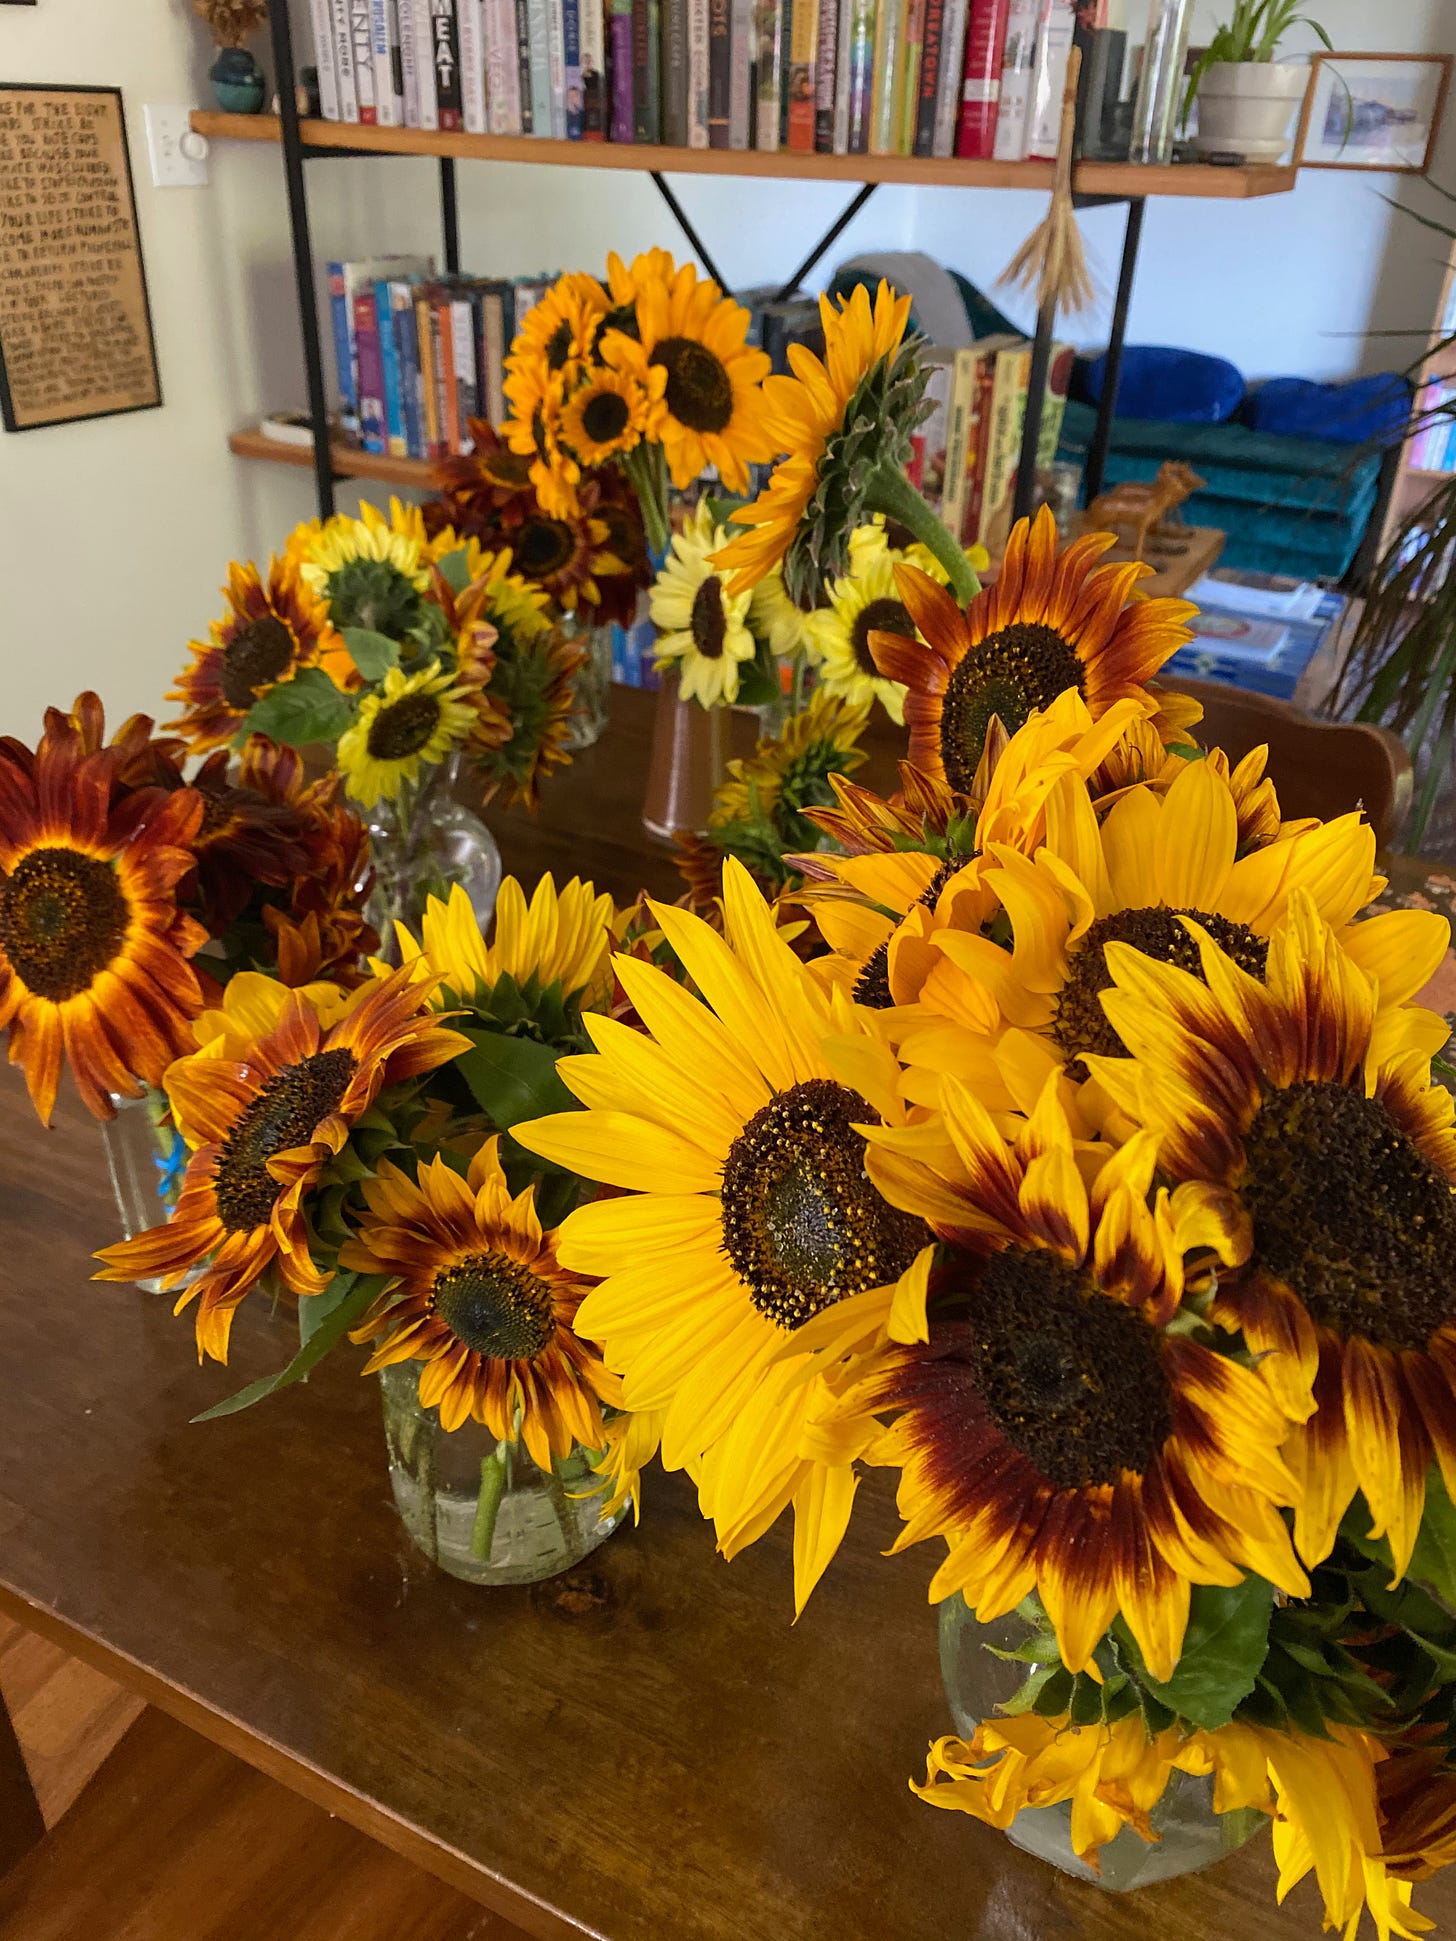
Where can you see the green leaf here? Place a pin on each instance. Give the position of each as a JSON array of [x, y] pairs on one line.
[[512, 1078], [307, 708], [373, 654], [455, 568], [1223, 1650], [1026, 1695], [326, 1331], [1433, 1561]]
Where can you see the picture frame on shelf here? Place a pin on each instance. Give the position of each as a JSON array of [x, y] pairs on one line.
[[1373, 111]]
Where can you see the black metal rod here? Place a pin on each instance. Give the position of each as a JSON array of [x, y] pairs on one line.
[[449, 215], [831, 235], [699, 248], [1036, 383], [286, 81], [1112, 368]]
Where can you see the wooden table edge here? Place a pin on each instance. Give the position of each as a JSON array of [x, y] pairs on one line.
[[301, 1776]]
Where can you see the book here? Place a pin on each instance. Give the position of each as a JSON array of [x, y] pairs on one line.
[[445, 58], [799, 88], [593, 71], [471, 26], [321, 19], [1048, 80], [502, 70], [720, 71], [888, 70], [369, 366], [958, 440], [425, 335], [523, 69], [860, 58], [826, 76], [927, 87], [912, 33], [571, 45], [978, 430], [1023, 18], [619, 52], [343, 45], [769, 90], [361, 55], [926, 470], [409, 78], [425, 88], [447, 394], [539, 48], [948, 88], [462, 333], [395, 441], [383, 44], [1054, 404], [843, 60], [699, 62], [345, 281], [986, 29], [407, 362], [646, 84], [675, 73], [1003, 445], [556, 65], [495, 334]]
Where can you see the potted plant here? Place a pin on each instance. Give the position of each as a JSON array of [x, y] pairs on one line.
[[237, 80], [1246, 98]]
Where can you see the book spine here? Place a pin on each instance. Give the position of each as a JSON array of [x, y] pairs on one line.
[[343, 43], [425, 343], [502, 77], [826, 76], [699, 59], [523, 69], [407, 361], [462, 334], [369, 361], [540, 55], [361, 43], [978, 449], [645, 89], [842, 63], [962, 392], [493, 315], [927, 88], [386, 108], [409, 77], [1022, 17], [675, 73], [394, 439], [864, 31], [912, 28], [593, 71], [889, 64], [948, 92], [478, 406], [556, 66], [424, 39], [986, 39], [1008, 403], [804, 47], [447, 394], [445, 58], [1049, 75], [623, 112], [343, 322], [770, 74], [472, 65], [571, 37], [321, 19], [720, 72], [1054, 404]]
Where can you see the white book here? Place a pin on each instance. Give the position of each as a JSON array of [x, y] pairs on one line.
[[472, 65], [409, 64], [842, 63], [361, 36], [1048, 79], [321, 17], [343, 40], [425, 63], [556, 67], [1023, 19], [502, 68], [948, 92], [740, 69], [388, 107], [462, 333]]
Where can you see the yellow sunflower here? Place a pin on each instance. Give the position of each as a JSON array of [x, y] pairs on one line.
[[611, 411], [262, 1129], [702, 629], [1050, 622], [712, 404], [371, 572], [822, 739], [536, 396], [1147, 1465], [777, 619], [407, 720], [1300, 1119], [561, 330], [748, 1228], [560, 939], [94, 950], [650, 269], [476, 1292], [270, 631]]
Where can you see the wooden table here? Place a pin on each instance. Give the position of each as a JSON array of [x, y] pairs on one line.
[[645, 1749]]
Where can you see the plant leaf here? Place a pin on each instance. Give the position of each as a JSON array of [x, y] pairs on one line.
[[326, 1332], [307, 708], [512, 1078], [1223, 1650], [372, 653], [1433, 1561]]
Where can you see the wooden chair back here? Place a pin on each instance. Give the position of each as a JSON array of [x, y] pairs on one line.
[[1320, 768]]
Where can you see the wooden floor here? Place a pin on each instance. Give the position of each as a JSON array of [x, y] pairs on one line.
[[159, 1836]]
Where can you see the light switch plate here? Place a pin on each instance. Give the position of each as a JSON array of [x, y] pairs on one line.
[[171, 167]]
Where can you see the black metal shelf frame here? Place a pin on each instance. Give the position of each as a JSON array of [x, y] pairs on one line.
[[296, 152]]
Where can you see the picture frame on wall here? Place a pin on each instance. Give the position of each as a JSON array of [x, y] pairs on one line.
[[1373, 111]]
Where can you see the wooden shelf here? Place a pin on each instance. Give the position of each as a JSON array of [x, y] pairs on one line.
[[349, 462], [1088, 178]]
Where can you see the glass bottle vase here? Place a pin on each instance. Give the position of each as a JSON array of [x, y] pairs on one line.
[[591, 684], [423, 843], [480, 1508], [146, 1157], [1191, 1835], [1161, 81]]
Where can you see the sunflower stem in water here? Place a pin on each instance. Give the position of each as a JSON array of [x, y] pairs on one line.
[[493, 1476], [892, 493], [649, 481]]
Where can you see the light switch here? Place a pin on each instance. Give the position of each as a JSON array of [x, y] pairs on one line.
[[178, 156]]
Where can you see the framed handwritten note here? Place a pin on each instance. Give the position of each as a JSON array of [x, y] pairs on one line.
[[75, 325]]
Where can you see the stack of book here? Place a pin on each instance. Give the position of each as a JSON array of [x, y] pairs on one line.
[[1256, 631], [936, 78]]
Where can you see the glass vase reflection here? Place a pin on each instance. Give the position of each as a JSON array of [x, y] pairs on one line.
[[591, 685], [423, 843], [146, 1157], [482, 1509]]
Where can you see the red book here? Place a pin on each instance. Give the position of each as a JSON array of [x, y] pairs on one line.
[[981, 79]]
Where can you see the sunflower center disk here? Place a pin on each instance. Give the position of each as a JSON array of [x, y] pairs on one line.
[[256, 656], [604, 417], [709, 623], [543, 546], [495, 1306], [1072, 1379], [623, 318], [404, 727], [872, 986], [1080, 1024], [801, 1222], [880, 616], [558, 345], [285, 1114], [1011, 673], [1350, 1214], [63, 918], [699, 391], [373, 594]]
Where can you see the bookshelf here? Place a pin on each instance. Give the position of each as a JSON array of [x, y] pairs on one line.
[[1415, 483]]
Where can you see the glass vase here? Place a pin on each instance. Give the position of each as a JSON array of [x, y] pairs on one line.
[[686, 766], [146, 1157], [1191, 1835], [1161, 81], [423, 843], [482, 1509], [591, 685]]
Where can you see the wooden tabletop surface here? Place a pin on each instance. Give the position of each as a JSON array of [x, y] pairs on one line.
[[646, 1749]]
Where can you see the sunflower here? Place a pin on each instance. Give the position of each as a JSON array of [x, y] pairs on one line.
[[478, 1295], [93, 945], [269, 632], [1300, 1117], [1051, 621], [788, 772], [140, 759], [536, 396], [774, 617], [561, 330], [611, 411], [559, 941], [564, 560], [408, 719], [263, 1128], [245, 840], [702, 630], [748, 1217], [835, 418], [484, 492], [880, 535], [529, 703], [865, 602], [650, 269], [371, 572], [1049, 1426], [710, 388]]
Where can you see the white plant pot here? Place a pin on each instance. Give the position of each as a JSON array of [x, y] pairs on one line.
[[1248, 107]]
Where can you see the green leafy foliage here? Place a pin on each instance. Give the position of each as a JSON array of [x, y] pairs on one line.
[[1223, 1649], [335, 1311], [1433, 1560], [512, 1079], [306, 709], [372, 653], [455, 569]]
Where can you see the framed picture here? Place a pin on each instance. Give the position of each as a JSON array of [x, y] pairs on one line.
[[1374, 111]]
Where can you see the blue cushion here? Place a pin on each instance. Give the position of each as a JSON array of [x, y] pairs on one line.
[[1355, 412], [1179, 386]]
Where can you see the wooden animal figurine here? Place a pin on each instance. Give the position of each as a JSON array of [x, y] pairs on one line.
[[1141, 508]]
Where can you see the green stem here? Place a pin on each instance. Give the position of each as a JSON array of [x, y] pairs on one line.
[[799, 667], [487, 1508], [892, 493], [644, 472]]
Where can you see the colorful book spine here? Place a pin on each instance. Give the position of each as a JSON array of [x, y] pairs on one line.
[[800, 81], [343, 322], [986, 40], [593, 71], [843, 60], [978, 447], [556, 66], [361, 44], [502, 74], [429, 395], [321, 20], [770, 88], [424, 38], [675, 73], [447, 394], [912, 30], [926, 469], [860, 53], [826, 76], [471, 27], [445, 58], [523, 69], [369, 362], [1048, 78], [927, 86], [888, 69], [395, 442], [388, 108], [958, 414], [699, 73], [407, 363], [571, 40], [343, 45], [1023, 18], [409, 76], [646, 71], [540, 55], [620, 28], [948, 92], [1008, 410]]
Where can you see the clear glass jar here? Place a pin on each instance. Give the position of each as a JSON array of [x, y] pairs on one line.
[[1193, 1836], [146, 1157], [591, 684], [1161, 81], [423, 843], [479, 1508]]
